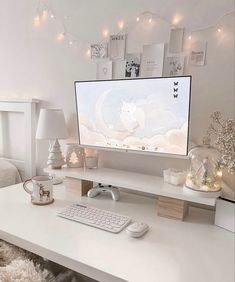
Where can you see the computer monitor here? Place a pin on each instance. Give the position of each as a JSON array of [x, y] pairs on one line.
[[147, 115]]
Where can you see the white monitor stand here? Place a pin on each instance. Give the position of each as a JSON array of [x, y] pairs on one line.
[[170, 198]]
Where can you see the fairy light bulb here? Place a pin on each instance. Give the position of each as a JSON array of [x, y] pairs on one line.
[[205, 187], [150, 20], [105, 33], [70, 42], [219, 30], [44, 15], [138, 19], [121, 25], [88, 53], [190, 37], [219, 173], [36, 21], [60, 36], [176, 19], [52, 16]]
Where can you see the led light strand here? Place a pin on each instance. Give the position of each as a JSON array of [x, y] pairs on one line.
[[44, 11]]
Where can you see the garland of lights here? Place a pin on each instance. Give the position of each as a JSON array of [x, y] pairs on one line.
[[44, 11]]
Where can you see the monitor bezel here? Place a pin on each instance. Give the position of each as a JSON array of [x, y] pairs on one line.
[[113, 149]]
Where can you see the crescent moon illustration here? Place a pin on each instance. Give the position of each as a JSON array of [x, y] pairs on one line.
[[101, 124]]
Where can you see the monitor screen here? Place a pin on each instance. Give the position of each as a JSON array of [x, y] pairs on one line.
[[148, 115]]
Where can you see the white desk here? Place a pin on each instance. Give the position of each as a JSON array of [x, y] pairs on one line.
[[172, 251]]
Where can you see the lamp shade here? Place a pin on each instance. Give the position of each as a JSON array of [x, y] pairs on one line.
[[51, 124]]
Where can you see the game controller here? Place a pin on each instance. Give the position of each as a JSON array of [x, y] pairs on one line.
[[95, 191]]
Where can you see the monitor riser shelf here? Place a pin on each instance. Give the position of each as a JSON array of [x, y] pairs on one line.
[[152, 185]]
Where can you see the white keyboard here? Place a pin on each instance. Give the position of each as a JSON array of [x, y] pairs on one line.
[[103, 219]]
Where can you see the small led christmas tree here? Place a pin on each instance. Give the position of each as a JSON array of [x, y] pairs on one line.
[[73, 160], [74, 155]]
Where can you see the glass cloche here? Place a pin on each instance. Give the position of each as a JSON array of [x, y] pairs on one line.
[[205, 172]]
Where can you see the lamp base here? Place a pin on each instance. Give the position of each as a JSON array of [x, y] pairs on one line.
[[57, 180]]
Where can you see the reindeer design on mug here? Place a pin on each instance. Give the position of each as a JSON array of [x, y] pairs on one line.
[[43, 192]]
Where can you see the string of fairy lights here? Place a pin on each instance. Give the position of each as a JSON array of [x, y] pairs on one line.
[[46, 13]]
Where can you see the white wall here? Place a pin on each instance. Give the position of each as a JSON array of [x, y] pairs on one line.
[[34, 64]]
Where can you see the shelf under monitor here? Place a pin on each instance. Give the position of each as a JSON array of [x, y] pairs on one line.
[[153, 185]]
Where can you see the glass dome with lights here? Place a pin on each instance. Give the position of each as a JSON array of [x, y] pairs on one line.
[[205, 174]]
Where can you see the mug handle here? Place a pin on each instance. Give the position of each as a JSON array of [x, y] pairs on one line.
[[25, 186]]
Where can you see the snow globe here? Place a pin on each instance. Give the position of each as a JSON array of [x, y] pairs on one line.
[[205, 173]]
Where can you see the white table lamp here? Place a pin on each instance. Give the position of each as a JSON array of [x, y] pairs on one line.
[[52, 126]]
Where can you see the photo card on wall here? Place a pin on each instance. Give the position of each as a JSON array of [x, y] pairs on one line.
[[99, 50], [174, 65], [117, 47], [133, 65], [176, 40], [152, 60], [119, 69], [197, 55], [104, 70]]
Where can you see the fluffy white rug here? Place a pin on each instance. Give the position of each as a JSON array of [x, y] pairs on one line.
[[18, 265], [9, 252], [24, 271]]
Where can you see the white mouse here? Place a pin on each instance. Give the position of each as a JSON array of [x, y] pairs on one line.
[[137, 229]]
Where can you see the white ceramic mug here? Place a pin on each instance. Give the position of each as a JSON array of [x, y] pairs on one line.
[[42, 190]]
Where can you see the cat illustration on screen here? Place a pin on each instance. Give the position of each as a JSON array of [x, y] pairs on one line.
[[176, 83], [132, 117], [175, 95], [176, 89]]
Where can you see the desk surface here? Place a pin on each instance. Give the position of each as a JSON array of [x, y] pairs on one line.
[[172, 251]]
